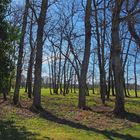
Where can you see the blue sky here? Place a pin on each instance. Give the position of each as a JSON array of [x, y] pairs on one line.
[[19, 2]]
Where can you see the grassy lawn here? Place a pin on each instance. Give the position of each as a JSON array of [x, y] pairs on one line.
[[62, 120]]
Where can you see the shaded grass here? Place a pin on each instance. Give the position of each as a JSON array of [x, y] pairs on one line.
[[8, 131]]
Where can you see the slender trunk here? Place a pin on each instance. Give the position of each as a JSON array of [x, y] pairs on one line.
[[75, 83], [31, 61], [85, 62], [29, 77], [109, 79], [4, 94], [26, 85], [135, 75], [100, 46], [50, 79], [93, 76], [124, 87], [60, 61], [20, 55], [128, 79], [112, 84]]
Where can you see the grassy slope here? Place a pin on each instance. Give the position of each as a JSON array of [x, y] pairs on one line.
[[21, 124]]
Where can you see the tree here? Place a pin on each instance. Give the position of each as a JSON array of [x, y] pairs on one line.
[[116, 60], [85, 62], [20, 55], [100, 27], [3, 23], [6, 50], [38, 59], [135, 72], [31, 59]]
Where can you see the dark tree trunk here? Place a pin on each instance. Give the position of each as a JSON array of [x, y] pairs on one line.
[[38, 60], [124, 87], [60, 62], [4, 91], [109, 78], [116, 60], [50, 79], [31, 61], [100, 46], [93, 76], [75, 83], [112, 84], [135, 75], [29, 75], [128, 79], [20, 55], [85, 62]]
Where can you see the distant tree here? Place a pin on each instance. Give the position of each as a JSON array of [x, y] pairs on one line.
[[135, 73]]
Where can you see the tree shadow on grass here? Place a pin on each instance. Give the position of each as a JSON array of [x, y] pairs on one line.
[[9, 132], [132, 117], [111, 135]]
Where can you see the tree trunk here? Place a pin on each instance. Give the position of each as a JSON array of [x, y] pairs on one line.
[[38, 60], [50, 79], [100, 47], [4, 94], [116, 60], [31, 61], [85, 62], [128, 79], [124, 87], [135, 74], [112, 84], [20, 55], [75, 83], [29, 75], [93, 76], [109, 79]]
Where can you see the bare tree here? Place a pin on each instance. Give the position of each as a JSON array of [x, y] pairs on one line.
[[20, 55], [100, 26], [38, 59], [116, 60], [31, 59], [85, 62]]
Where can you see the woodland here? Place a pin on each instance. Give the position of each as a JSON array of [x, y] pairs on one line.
[[69, 69]]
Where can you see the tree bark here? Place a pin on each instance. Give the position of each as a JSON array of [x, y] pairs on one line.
[[20, 55], [135, 74], [38, 60], [31, 61], [116, 60], [100, 47], [85, 62], [29, 75], [128, 78]]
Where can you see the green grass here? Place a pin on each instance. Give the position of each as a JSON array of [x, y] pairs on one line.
[[70, 123], [38, 128]]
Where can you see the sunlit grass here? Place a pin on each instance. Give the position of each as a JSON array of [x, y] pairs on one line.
[[65, 107]]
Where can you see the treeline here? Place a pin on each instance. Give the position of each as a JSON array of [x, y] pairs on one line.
[[74, 42]]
